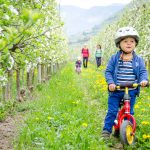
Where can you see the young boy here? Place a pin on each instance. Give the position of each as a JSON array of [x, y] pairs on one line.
[[124, 66], [78, 64]]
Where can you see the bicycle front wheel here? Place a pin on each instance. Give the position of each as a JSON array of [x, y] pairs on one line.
[[126, 133]]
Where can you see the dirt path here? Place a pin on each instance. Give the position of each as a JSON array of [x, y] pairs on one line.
[[8, 131]]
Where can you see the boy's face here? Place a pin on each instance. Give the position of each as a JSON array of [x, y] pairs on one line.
[[128, 44], [85, 46], [98, 46]]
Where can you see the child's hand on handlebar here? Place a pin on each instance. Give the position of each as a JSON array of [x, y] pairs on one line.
[[112, 87], [143, 83]]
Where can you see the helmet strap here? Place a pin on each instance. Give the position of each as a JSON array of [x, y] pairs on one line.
[[125, 52]]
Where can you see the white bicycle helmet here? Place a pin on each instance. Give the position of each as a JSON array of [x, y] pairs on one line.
[[126, 32], [78, 58]]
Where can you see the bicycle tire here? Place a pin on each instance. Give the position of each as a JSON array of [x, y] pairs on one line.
[[126, 129]]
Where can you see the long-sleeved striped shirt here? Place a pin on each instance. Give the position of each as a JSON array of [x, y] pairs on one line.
[[125, 72]]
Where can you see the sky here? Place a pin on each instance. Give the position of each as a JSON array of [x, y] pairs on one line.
[[90, 3]]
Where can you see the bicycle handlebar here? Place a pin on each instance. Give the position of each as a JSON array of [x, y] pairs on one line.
[[130, 85]]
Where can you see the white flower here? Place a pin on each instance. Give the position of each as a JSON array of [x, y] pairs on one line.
[[13, 10], [11, 63], [29, 67], [39, 60], [34, 65], [3, 80], [6, 17], [26, 61]]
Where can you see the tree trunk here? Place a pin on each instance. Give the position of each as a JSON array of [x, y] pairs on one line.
[[149, 65], [23, 77], [9, 85], [52, 68], [39, 74], [43, 72], [28, 79], [57, 65], [55, 68], [3, 93], [18, 83], [33, 77], [49, 71]]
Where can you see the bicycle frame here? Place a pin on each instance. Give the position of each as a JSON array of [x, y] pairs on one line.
[[124, 112]]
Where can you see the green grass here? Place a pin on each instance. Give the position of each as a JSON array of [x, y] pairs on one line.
[[63, 116], [68, 112]]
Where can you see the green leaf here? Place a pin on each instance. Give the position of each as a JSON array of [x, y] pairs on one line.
[[3, 43], [35, 16], [26, 15]]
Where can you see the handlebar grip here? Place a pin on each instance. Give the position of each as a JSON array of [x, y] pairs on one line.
[[148, 84]]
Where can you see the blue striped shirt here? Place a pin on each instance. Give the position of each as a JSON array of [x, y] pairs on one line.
[[125, 72]]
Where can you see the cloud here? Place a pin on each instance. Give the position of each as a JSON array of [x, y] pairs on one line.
[[91, 3]]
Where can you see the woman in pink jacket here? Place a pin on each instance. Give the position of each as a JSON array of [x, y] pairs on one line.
[[85, 55]]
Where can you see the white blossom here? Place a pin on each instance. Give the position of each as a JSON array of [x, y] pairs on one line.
[[11, 63], [3, 80], [39, 60], [6, 17], [29, 66], [13, 10]]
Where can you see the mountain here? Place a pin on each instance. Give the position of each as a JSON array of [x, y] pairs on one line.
[[78, 19]]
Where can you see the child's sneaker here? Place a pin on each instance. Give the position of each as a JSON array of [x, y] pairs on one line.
[[105, 135]]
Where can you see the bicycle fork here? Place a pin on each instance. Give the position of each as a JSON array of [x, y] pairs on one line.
[[124, 113], [126, 109]]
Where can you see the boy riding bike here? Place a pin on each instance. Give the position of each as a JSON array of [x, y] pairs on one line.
[[124, 66]]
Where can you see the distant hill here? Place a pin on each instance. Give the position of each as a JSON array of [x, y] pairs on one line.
[[78, 20], [84, 37]]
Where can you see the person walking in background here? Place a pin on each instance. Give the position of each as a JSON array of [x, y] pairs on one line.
[[98, 55], [85, 55], [78, 64]]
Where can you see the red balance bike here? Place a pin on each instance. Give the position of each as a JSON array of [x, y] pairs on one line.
[[125, 124]]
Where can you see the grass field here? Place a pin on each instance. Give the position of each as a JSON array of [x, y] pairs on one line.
[[68, 112]]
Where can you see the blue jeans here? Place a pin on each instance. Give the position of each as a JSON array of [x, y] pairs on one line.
[[113, 106], [85, 62], [98, 61]]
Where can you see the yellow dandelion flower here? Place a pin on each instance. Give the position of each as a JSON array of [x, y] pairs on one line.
[[144, 136], [37, 119], [139, 103], [84, 125], [145, 123], [75, 102], [148, 136], [136, 106], [49, 118], [143, 109]]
